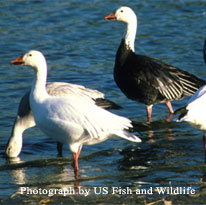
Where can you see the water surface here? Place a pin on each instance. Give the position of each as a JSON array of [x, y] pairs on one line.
[[80, 48]]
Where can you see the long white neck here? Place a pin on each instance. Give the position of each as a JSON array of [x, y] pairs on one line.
[[38, 90], [131, 34], [15, 142]]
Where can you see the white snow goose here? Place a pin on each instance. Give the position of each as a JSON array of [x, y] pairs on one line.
[[72, 119], [145, 79], [25, 120], [194, 113]]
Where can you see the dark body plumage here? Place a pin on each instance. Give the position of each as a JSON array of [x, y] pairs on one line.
[[150, 80]]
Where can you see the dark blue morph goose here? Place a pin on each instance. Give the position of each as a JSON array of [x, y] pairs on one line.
[[145, 79]]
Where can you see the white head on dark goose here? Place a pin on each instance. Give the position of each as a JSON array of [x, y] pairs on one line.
[[72, 120], [127, 16], [146, 79]]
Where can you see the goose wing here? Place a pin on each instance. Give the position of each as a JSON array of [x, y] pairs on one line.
[[66, 89], [97, 124], [171, 82]]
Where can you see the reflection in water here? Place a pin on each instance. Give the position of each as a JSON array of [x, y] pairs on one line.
[[151, 135], [59, 178], [18, 175], [150, 127], [162, 162]]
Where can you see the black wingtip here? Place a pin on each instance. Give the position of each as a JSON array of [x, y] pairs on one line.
[[107, 104], [182, 111]]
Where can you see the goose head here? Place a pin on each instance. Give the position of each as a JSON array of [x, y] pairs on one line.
[[123, 14], [32, 58], [126, 15]]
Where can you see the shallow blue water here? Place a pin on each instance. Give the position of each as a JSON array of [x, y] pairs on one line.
[[80, 48]]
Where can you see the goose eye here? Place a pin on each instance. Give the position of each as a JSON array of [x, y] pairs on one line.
[[30, 54], [121, 11]]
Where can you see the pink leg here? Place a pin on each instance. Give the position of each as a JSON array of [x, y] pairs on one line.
[[169, 117], [169, 105], [75, 162], [149, 113]]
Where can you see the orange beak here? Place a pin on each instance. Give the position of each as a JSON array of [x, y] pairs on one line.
[[110, 17], [18, 61]]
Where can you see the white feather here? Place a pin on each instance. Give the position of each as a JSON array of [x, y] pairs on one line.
[[73, 119], [196, 112]]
